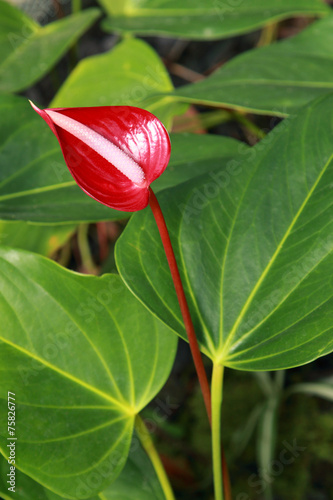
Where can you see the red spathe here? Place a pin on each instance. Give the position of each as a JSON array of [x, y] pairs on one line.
[[136, 132]]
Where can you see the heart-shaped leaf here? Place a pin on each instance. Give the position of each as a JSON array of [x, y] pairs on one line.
[[131, 74], [272, 80], [207, 20], [83, 357], [137, 480], [36, 185], [255, 250], [29, 51]]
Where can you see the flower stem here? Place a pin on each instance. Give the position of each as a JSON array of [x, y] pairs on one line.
[[194, 346], [148, 445], [196, 354], [217, 383]]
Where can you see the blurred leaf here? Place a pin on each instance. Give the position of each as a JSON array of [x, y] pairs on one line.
[[35, 183], [272, 80], [320, 389], [242, 436], [131, 74], [34, 237], [266, 442], [254, 244], [29, 51], [265, 383], [199, 20], [75, 406]]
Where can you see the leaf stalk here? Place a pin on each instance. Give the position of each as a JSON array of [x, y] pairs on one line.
[[217, 385], [193, 342], [149, 447]]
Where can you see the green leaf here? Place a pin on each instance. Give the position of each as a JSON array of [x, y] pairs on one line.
[[207, 20], [25, 488], [35, 183], [131, 74], [83, 357], [194, 154], [137, 480], [254, 246], [274, 80], [29, 51], [34, 237]]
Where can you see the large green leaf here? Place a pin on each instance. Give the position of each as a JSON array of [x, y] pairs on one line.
[[202, 20], [131, 74], [29, 51], [255, 249], [83, 357], [34, 237], [137, 480], [25, 488], [35, 183], [274, 80]]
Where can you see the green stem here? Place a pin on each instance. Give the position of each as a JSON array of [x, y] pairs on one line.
[[148, 445], [251, 127], [83, 244], [217, 384], [268, 34]]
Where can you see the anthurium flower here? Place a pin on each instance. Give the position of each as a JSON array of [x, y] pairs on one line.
[[114, 153]]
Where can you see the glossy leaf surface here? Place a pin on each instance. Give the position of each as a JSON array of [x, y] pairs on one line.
[[207, 20], [29, 51], [89, 359], [131, 74], [137, 480], [36, 185], [274, 80], [255, 250]]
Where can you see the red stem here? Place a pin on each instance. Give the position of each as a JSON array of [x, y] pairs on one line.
[[194, 346], [226, 478]]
